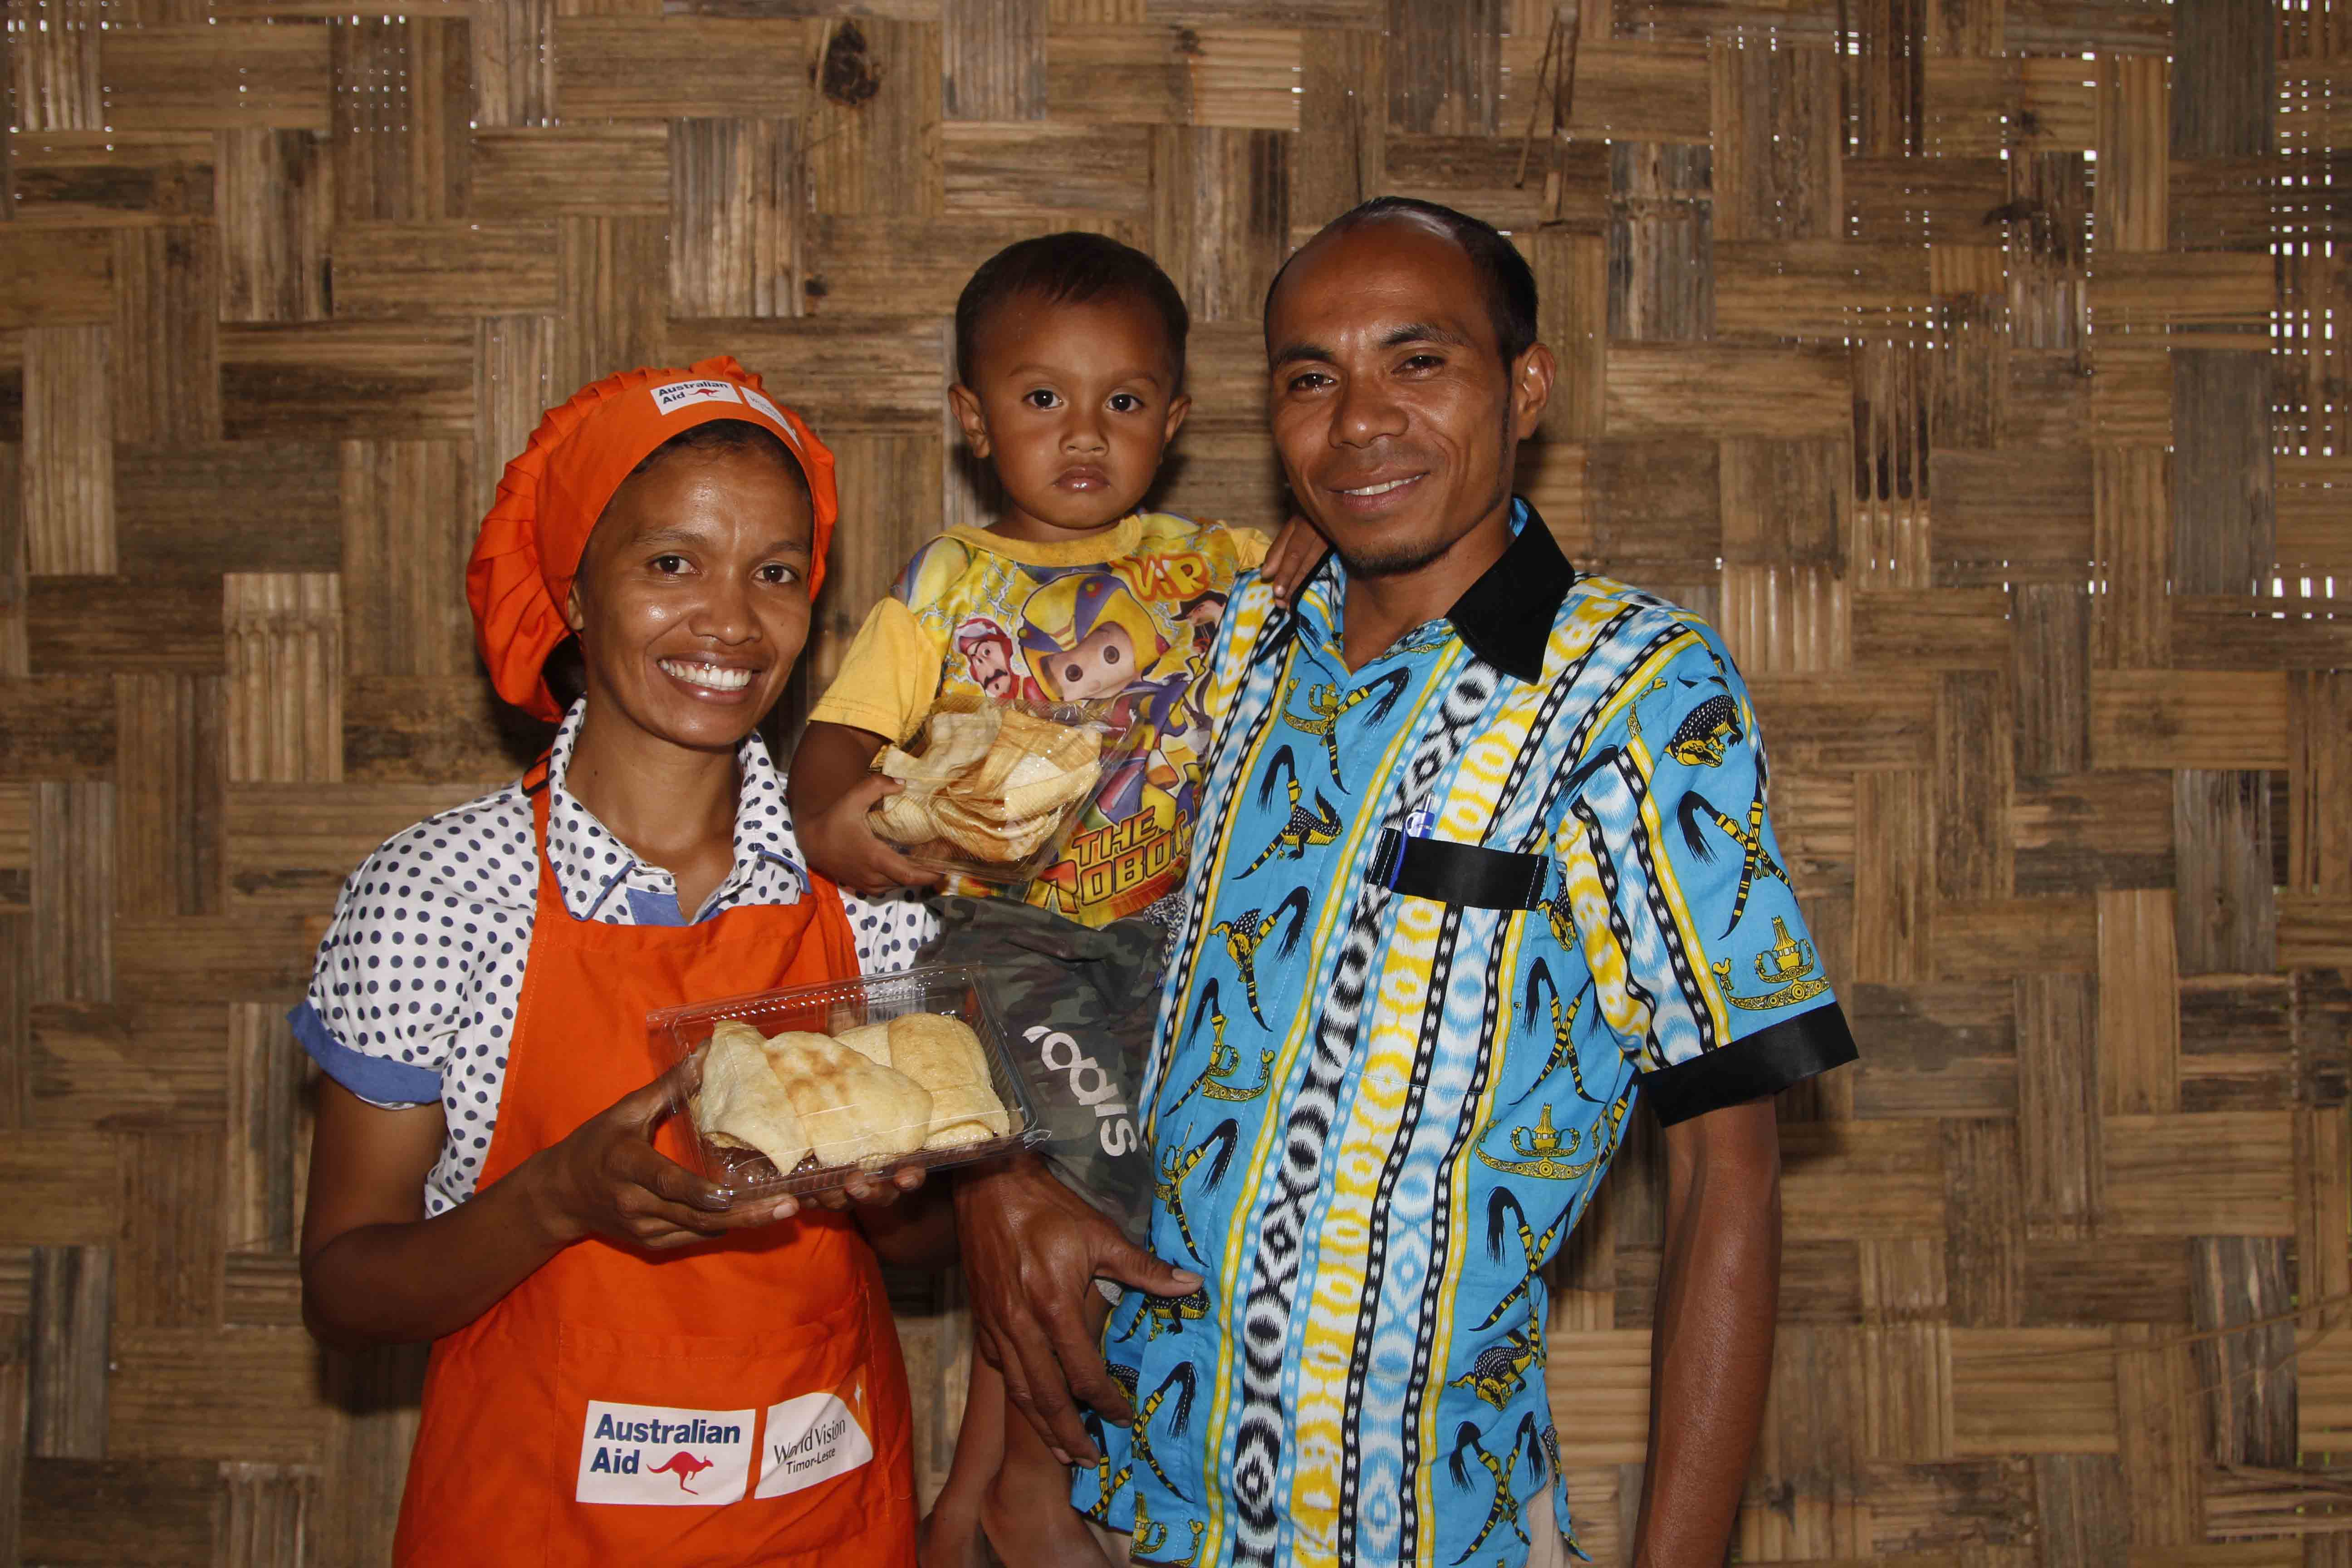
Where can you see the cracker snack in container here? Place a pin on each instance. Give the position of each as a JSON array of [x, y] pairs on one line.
[[992, 790], [800, 1089]]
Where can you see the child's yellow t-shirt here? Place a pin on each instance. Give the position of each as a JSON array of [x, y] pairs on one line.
[[1126, 613]]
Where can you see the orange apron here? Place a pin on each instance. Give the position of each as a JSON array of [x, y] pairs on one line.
[[740, 1401]]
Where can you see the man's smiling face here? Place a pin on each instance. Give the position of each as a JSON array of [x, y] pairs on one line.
[[1395, 414]]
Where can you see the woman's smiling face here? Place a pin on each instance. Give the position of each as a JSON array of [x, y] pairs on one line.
[[692, 599]]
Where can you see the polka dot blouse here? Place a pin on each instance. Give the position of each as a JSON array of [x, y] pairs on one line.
[[417, 980]]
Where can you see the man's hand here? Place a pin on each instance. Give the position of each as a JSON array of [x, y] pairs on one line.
[[1032, 1250], [1711, 1347], [1294, 555]]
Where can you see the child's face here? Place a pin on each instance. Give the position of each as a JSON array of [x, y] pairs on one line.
[[1074, 403]]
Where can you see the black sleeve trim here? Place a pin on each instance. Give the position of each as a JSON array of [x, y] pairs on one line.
[[1764, 1063]]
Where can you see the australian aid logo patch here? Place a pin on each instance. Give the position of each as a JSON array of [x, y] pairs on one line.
[[813, 1439], [654, 1454], [677, 394]]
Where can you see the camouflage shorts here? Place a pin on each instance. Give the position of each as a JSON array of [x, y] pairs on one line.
[[1078, 1004]]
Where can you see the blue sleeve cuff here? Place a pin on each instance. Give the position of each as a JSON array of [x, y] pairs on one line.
[[372, 1079]]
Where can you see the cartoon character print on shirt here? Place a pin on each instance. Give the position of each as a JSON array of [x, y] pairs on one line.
[[993, 661], [1090, 635], [1133, 632], [1087, 634]]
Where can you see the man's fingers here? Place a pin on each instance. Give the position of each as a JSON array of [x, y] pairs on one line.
[[1082, 1366], [1130, 1265], [1295, 552], [1039, 1391]]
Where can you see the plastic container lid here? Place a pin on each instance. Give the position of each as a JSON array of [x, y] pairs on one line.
[[864, 1076]]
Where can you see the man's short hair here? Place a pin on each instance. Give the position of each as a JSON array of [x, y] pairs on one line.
[[1503, 273], [1075, 267]]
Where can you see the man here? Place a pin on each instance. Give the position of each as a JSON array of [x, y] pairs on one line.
[[1484, 858]]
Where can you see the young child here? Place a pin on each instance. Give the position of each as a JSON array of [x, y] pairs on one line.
[[1070, 371]]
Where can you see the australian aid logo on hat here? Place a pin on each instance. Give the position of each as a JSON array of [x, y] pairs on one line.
[[671, 397], [662, 1455]]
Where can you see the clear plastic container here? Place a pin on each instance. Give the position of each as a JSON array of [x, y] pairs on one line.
[[943, 822], [833, 1009]]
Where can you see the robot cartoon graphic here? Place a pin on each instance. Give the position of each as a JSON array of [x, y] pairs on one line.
[[1090, 635]]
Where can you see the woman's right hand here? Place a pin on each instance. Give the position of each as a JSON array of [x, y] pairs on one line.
[[840, 842], [607, 1179]]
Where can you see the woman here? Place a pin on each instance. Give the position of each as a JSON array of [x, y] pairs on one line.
[[623, 1365]]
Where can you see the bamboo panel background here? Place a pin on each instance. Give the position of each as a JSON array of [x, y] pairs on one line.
[[1981, 365]]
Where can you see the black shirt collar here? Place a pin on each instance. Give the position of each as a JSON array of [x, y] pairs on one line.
[[1506, 617]]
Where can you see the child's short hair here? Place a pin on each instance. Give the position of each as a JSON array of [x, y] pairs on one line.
[[1073, 266]]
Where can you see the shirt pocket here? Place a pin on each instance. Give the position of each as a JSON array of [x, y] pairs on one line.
[[723, 1450], [1470, 876]]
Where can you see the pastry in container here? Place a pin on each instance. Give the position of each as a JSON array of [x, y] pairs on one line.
[[799, 1090]]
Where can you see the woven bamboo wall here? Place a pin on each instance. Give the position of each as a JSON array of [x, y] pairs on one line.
[[1981, 364]]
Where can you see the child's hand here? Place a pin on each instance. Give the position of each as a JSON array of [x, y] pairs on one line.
[[840, 842], [1296, 550]]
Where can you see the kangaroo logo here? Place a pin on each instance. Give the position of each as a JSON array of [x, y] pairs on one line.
[[682, 1465]]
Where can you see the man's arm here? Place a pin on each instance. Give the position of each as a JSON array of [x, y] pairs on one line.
[[1032, 1250], [1711, 1344]]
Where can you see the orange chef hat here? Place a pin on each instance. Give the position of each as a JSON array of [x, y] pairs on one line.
[[529, 547]]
